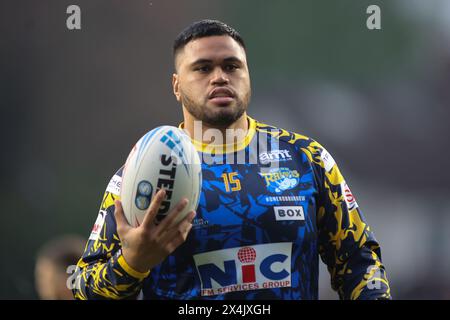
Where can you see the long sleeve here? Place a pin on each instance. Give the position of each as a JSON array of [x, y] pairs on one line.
[[102, 272], [346, 243]]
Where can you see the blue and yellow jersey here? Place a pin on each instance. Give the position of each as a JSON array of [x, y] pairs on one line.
[[269, 207]]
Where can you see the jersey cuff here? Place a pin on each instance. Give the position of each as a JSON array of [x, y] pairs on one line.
[[136, 274]]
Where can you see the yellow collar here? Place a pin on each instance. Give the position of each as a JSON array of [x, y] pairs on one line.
[[226, 148]]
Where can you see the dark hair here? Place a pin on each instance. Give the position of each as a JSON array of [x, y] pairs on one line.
[[205, 28]]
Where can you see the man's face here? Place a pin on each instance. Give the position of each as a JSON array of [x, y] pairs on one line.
[[212, 80], [51, 281]]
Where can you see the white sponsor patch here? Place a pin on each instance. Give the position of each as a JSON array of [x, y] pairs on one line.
[[328, 160], [275, 156], [348, 196], [98, 225], [114, 185], [262, 266], [289, 213]]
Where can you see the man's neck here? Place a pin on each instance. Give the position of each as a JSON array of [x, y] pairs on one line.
[[207, 134]]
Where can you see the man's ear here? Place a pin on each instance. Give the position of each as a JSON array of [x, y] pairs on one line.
[[175, 87]]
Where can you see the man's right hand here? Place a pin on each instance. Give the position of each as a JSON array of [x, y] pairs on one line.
[[149, 244]]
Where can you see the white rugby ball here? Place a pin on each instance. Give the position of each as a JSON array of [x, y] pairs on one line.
[[164, 158]]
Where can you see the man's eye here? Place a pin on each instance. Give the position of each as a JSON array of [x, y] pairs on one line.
[[231, 67], [203, 69]]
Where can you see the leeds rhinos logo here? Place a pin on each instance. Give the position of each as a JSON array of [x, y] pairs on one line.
[[281, 179]]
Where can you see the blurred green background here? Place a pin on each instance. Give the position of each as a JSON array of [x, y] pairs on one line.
[[74, 102]]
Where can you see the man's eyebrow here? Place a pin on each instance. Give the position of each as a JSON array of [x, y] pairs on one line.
[[233, 59], [200, 61], [229, 59]]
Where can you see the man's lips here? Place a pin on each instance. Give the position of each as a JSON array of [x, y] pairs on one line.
[[220, 92], [221, 100], [221, 96]]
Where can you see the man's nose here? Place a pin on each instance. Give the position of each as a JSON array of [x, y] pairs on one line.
[[219, 77]]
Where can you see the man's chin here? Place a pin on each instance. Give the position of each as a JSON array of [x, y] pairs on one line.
[[221, 104], [223, 117]]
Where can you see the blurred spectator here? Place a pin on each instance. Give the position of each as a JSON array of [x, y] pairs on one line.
[[52, 262]]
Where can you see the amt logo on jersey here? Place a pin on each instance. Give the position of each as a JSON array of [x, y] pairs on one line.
[[274, 156], [255, 267]]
